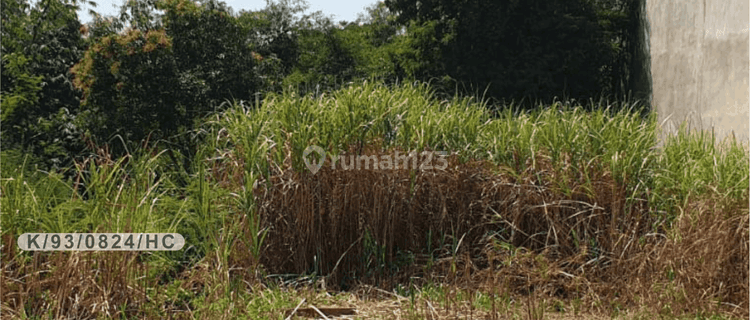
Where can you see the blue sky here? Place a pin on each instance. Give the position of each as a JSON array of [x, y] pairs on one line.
[[340, 9]]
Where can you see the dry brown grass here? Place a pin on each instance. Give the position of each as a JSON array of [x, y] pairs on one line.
[[71, 285], [490, 232], [614, 262], [702, 265]]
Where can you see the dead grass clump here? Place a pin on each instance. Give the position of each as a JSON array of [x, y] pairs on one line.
[[702, 263], [71, 285], [213, 272], [346, 224], [475, 226]]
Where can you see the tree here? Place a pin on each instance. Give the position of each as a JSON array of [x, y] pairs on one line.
[[153, 79], [39, 45], [326, 59], [623, 23], [129, 85], [274, 30], [538, 49], [211, 52], [381, 23], [291, 43]]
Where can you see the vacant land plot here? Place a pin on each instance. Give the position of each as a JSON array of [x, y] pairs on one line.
[[557, 213]]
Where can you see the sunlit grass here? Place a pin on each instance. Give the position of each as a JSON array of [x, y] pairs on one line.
[[243, 145], [693, 163]]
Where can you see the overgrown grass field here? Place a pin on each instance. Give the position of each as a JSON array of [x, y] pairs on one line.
[[558, 211]]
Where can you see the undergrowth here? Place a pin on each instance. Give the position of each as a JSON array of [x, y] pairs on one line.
[[553, 210]]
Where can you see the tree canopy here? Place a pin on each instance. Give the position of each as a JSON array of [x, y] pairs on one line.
[[151, 71]]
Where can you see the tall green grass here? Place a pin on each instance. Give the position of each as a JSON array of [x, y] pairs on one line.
[[619, 140], [29, 197], [409, 117], [124, 195], [406, 117], [116, 196], [694, 163]]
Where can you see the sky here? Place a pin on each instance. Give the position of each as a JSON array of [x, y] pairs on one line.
[[340, 9]]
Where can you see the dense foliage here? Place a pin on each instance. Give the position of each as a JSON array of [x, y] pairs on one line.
[[39, 45], [151, 72], [121, 125], [152, 82], [557, 189], [538, 49]]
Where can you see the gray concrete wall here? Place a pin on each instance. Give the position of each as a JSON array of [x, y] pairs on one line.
[[699, 64]]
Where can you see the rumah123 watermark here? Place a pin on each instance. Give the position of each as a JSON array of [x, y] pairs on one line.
[[413, 160]]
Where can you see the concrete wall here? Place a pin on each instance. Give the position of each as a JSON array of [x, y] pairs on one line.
[[699, 64]]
